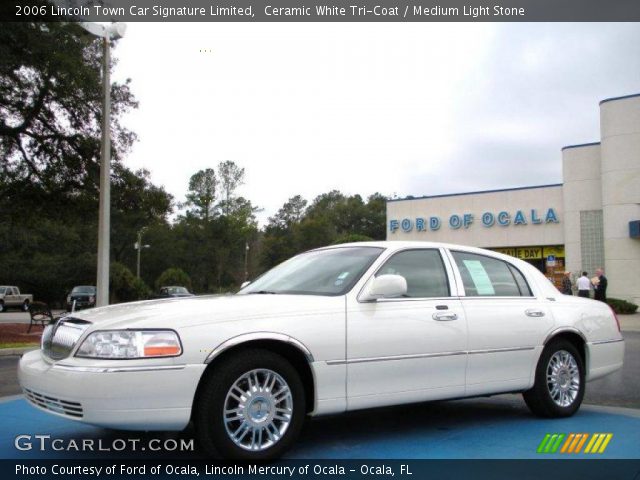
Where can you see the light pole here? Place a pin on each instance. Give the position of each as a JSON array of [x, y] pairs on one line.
[[246, 261], [138, 246], [106, 34]]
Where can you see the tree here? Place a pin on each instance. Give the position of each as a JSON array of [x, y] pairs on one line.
[[124, 286], [50, 107], [289, 214], [231, 177], [332, 217], [202, 192], [50, 131], [351, 238], [173, 276]]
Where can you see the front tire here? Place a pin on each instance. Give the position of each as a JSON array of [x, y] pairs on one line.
[[251, 407], [1, 307], [559, 383]]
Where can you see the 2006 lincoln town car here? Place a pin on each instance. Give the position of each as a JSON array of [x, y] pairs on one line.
[[340, 328]]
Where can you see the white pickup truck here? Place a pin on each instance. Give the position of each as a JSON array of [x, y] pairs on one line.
[[10, 297]]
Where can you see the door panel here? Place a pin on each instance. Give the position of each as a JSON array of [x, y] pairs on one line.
[[407, 349], [502, 342], [504, 324]]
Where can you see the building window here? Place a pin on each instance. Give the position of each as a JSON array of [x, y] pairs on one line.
[[591, 240]]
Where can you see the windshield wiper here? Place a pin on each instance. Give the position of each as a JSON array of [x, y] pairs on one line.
[[264, 292]]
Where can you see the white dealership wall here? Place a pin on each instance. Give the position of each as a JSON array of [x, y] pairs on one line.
[[591, 209]]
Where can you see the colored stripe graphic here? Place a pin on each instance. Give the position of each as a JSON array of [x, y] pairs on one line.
[[584, 439], [543, 443], [606, 442], [573, 443], [568, 442]]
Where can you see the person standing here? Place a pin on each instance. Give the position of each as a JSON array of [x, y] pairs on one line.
[[584, 285], [566, 284], [600, 292]]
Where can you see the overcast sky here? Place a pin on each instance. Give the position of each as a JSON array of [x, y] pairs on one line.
[[401, 109]]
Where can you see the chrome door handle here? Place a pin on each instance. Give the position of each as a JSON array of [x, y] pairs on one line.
[[534, 313], [444, 316]]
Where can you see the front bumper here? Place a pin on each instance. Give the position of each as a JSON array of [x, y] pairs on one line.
[[128, 397]]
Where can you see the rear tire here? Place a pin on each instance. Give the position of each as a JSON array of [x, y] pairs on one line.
[[25, 306], [250, 407], [559, 382]]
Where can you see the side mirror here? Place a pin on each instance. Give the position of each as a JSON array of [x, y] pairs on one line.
[[244, 284], [385, 286]]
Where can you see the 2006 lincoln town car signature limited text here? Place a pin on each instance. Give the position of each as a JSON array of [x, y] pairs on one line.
[[340, 328]]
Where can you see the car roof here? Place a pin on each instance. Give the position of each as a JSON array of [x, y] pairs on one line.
[[404, 244]]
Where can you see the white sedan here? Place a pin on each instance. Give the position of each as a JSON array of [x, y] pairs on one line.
[[335, 329]]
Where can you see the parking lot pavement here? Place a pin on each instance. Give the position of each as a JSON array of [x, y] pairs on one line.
[[438, 430]]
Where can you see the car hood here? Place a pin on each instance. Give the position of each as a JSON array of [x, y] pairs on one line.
[[190, 311]]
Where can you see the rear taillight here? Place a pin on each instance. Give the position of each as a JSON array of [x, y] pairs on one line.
[[616, 317]]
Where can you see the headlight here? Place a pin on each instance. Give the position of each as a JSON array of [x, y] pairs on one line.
[[92, 299], [115, 344], [69, 299]]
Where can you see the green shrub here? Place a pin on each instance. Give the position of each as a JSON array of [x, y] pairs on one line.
[[125, 286], [173, 276], [622, 306]]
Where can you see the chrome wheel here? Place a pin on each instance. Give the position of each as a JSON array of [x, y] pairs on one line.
[[563, 378], [258, 409]]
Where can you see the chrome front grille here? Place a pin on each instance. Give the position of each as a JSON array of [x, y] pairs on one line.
[[59, 339], [57, 405]]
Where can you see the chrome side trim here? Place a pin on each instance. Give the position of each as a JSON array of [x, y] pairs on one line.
[[71, 368], [500, 350], [601, 342], [564, 329], [425, 355], [247, 337]]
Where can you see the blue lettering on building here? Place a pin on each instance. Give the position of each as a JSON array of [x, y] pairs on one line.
[[466, 220], [504, 219], [519, 218], [488, 219], [534, 217], [551, 216]]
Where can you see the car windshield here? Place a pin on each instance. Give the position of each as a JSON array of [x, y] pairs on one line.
[[175, 290], [83, 290], [330, 271]]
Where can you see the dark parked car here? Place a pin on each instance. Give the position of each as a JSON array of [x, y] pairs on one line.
[[175, 291], [84, 296]]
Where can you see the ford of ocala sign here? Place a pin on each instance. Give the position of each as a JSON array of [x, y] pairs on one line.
[[465, 220]]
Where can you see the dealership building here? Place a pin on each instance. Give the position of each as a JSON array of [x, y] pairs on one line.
[[590, 220]]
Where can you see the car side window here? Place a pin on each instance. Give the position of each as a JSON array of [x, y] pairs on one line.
[[525, 291], [489, 277], [422, 269]]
